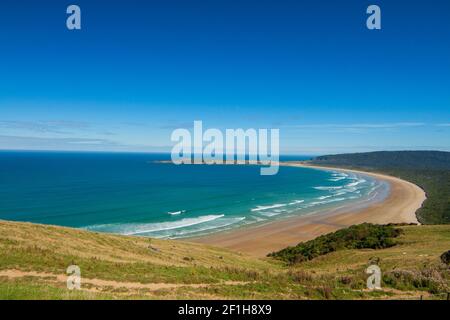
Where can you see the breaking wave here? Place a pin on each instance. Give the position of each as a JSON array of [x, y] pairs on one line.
[[176, 213], [143, 228]]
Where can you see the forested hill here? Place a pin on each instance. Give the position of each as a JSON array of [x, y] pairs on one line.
[[428, 169], [433, 160]]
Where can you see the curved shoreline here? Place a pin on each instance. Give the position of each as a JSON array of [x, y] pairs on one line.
[[399, 206]]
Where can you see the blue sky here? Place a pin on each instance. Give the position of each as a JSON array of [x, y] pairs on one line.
[[137, 70]]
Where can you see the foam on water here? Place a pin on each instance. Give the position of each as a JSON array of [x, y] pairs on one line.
[[296, 202], [203, 228], [328, 188], [261, 208], [354, 184], [336, 179], [324, 197], [142, 228], [176, 213], [315, 203]]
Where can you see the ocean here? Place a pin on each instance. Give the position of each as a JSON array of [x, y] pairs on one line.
[[132, 194]]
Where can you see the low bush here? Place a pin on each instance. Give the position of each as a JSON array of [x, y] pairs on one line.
[[445, 257], [363, 236]]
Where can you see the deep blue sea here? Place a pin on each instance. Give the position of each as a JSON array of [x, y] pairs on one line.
[[130, 194]]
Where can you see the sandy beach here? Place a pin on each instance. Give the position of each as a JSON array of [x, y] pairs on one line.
[[399, 207]]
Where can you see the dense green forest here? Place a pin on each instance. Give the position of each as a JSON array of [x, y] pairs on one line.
[[428, 169]]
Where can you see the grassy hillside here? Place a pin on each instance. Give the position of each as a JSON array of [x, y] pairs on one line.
[[33, 260], [428, 169]]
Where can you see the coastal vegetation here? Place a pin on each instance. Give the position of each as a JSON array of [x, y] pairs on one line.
[[34, 259], [428, 169], [363, 236]]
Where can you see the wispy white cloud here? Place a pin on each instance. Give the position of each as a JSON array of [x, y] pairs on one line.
[[54, 126], [174, 126], [72, 144], [359, 125]]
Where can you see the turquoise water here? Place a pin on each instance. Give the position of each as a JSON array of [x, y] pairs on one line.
[[131, 194]]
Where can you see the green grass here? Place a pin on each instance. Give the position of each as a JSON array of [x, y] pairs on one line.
[[42, 253], [27, 290]]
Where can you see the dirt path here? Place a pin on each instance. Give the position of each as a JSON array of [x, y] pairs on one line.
[[14, 274]]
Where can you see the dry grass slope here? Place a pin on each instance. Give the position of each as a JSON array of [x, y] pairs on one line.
[[33, 260]]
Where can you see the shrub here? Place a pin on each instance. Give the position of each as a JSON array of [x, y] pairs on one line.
[[361, 236], [427, 279], [325, 292], [445, 257], [300, 276], [346, 280]]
